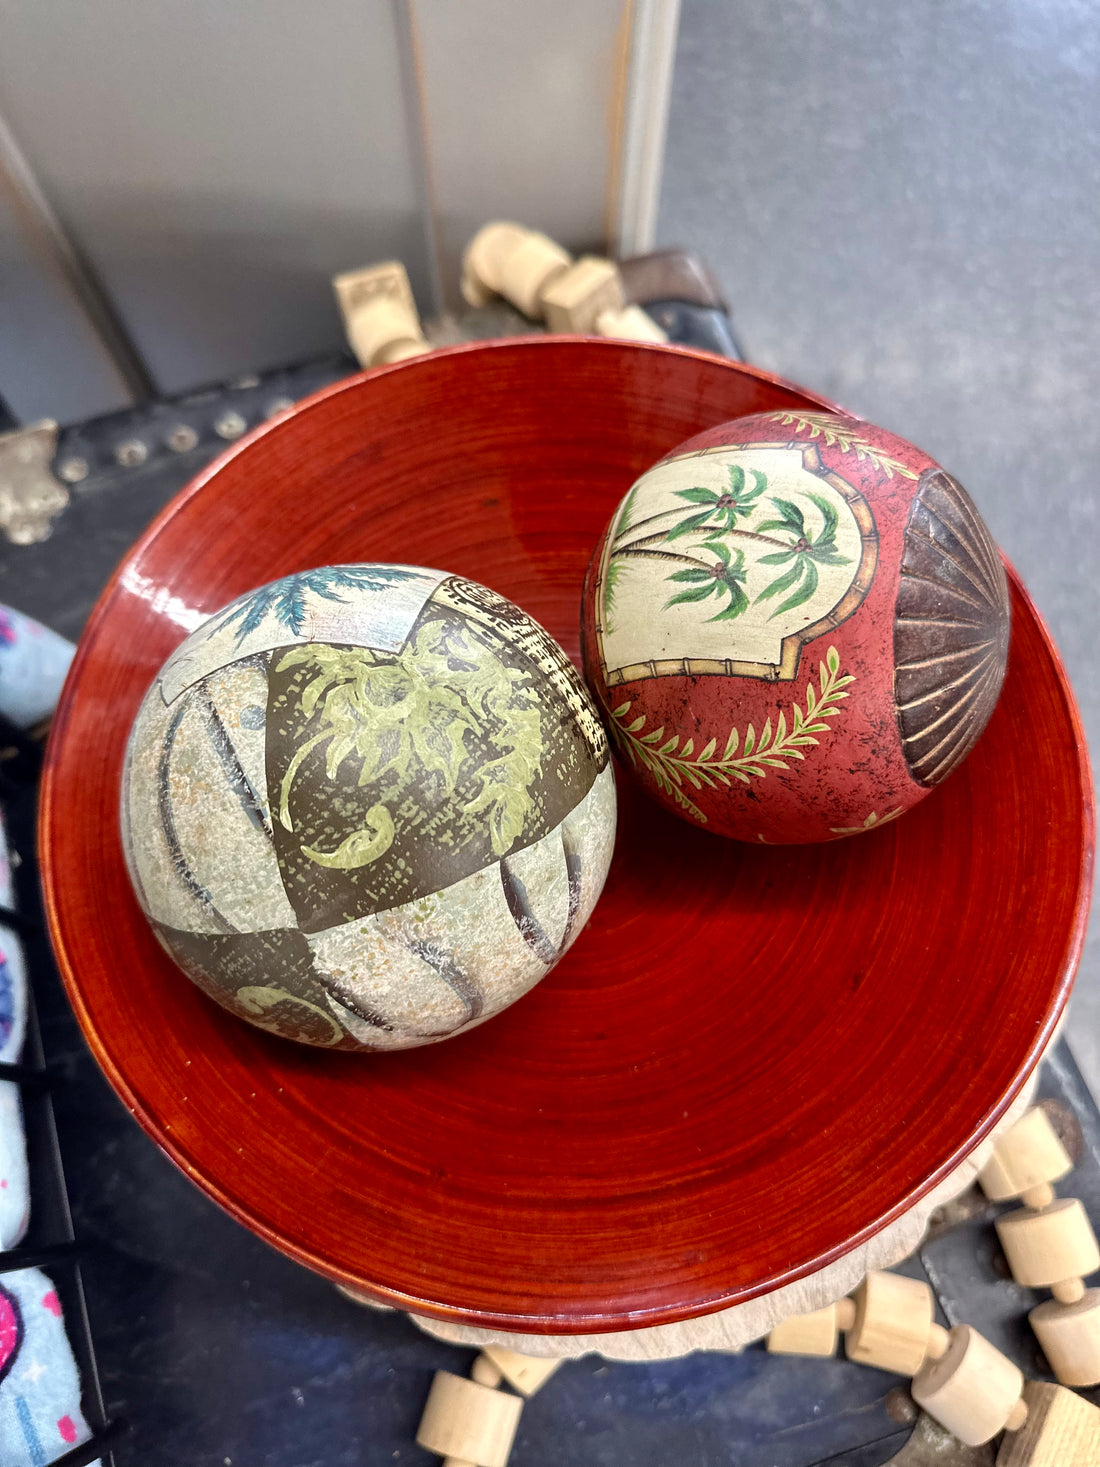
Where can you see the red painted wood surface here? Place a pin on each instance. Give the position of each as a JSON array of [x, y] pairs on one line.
[[752, 1059]]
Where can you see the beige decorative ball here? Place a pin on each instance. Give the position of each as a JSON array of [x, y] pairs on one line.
[[368, 806]]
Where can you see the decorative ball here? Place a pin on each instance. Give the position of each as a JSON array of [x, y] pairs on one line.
[[368, 806], [797, 625]]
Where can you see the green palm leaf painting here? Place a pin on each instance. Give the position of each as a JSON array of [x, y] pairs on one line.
[[285, 599], [802, 555], [676, 767], [708, 545]]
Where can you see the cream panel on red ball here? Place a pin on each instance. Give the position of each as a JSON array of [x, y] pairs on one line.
[[796, 625]]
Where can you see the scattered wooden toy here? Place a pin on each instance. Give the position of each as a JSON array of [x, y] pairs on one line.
[[380, 315], [959, 1378], [471, 1423], [1049, 1244]]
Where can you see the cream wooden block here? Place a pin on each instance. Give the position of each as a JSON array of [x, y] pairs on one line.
[[527, 270], [1028, 1155], [469, 1422], [524, 1373], [574, 298], [483, 258], [485, 1372], [630, 323], [382, 330], [1070, 1337], [892, 1324], [806, 1334], [1048, 1246], [399, 351], [380, 315], [972, 1389], [1061, 1430]]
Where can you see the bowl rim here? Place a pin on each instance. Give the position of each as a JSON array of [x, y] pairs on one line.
[[548, 1324]]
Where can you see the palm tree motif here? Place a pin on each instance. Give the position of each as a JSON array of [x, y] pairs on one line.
[[711, 566], [722, 510], [803, 555], [286, 599], [725, 577]]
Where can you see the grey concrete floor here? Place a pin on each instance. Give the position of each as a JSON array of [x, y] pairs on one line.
[[903, 205]]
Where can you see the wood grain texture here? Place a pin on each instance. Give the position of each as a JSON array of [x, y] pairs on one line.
[[703, 1102]]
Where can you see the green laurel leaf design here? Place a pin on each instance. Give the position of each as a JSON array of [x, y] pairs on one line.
[[674, 763]]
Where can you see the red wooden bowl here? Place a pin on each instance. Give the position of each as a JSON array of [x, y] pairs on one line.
[[751, 1060]]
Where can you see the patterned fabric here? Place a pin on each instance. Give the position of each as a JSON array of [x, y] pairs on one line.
[[40, 1416], [33, 665], [14, 1184]]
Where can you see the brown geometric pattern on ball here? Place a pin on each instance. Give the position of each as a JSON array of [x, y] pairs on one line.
[[391, 776], [368, 847], [951, 629]]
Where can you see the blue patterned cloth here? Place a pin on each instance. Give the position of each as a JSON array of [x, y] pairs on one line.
[[40, 1416], [33, 664], [14, 1184]]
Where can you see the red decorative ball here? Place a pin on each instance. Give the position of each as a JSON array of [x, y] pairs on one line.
[[796, 625]]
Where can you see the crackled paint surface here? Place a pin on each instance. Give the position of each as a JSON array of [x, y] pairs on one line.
[[795, 622], [368, 806]]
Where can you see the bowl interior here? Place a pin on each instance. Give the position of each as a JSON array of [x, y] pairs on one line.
[[753, 1057]]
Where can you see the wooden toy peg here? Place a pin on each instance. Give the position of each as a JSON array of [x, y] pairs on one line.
[[1050, 1246], [468, 1423], [483, 258], [893, 1323], [485, 1372], [1061, 1430], [1028, 1156], [528, 269], [1070, 1337], [972, 1389], [629, 324], [380, 315], [519, 264], [574, 298], [524, 1373], [805, 1334]]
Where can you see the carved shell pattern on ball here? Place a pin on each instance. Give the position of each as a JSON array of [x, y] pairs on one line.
[[368, 806], [950, 620]]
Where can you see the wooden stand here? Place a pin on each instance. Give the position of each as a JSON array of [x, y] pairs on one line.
[[1050, 1247]]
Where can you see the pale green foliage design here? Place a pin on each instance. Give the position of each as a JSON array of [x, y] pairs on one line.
[[674, 763], [401, 716], [824, 425]]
